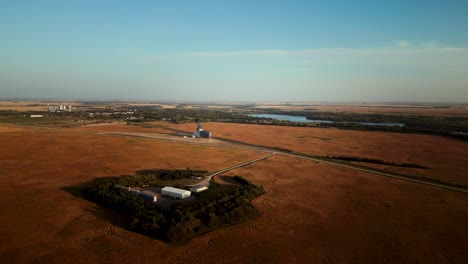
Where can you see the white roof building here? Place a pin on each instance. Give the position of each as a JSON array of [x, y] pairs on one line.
[[198, 188], [175, 192]]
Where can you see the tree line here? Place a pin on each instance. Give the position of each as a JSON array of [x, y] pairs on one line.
[[377, 161], [172, 174]]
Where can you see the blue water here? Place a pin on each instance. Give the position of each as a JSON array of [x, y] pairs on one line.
[[303, 119]]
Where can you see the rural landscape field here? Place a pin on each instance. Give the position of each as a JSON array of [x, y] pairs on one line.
[[310, 212], [234, 132]]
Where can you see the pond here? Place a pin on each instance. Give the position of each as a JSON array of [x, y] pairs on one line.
[[303, 119]]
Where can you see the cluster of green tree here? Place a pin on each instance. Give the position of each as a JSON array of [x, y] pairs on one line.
[[138, 180], [8, 116], [439, 125], [376, 161], [456, 127], [190, 115], [172, 174], [441, 131], [442, 125], [180, 221]]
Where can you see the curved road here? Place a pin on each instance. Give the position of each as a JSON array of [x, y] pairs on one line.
[[221, 144], [206, 181], [237, 145]]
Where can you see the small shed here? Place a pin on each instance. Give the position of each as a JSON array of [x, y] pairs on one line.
[[175, 192], [198, 188]]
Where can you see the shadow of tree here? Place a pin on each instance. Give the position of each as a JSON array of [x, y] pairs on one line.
[[227, 180], [112, 216], [152, 171]]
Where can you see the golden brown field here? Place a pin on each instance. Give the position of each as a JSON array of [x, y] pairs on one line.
[[9, 128], [446, 158], [310, 213], [22, 106], [368, 108]]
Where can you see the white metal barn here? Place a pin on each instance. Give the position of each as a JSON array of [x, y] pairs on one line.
[[198, 188], [175, 192]]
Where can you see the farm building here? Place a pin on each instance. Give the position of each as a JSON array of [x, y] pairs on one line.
[[122, 187], [200, 133], [142, 194], [175, 192], [198, 188], [145, 195], [59, 108]]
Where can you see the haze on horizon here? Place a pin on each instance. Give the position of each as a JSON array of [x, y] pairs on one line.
[[414, 51]]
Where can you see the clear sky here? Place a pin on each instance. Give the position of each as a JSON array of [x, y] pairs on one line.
[[235, 50]]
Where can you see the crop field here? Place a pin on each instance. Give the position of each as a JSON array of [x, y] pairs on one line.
[[310, 213], [446, 158], [363, 108], [125, 128], [7, 128]]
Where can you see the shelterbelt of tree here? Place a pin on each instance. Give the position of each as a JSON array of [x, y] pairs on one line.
[[341, 161], [451, 126], [219, 206]]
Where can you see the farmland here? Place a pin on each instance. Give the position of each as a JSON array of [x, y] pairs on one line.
[[313, 212]]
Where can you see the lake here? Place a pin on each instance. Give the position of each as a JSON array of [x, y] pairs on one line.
[[303, 119]]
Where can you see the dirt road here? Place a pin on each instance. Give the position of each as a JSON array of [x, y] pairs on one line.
[[206, 181], [221, 144]]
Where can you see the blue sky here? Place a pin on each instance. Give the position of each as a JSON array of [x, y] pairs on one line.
[[235, 50]]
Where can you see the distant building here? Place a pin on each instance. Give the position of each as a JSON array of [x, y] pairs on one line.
[[198, 188], [145, 195], [148, 196], [123, 187], [200, 133], [60, 108], [36, 115], [175, 192]]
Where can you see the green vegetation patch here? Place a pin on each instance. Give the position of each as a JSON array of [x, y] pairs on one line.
[[377, 161], [170, 174], [219, 206]]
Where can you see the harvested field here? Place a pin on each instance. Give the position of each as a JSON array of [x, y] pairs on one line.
[[23, 106], [311, 213], [400, 109], [6, 128], [446, 158], [324, 214], [125, 128], [40, 219]]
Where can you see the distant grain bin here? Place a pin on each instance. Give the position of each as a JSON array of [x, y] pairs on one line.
[[175, 192], [60, 108], [198, 188], [200, 133]]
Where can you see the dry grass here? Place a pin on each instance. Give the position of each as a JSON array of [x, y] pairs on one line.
[[7, 128], [400, 109], [446, 158], [311, 213], [23, 106]]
